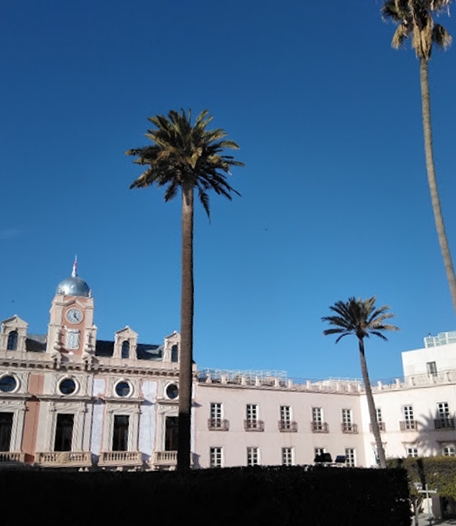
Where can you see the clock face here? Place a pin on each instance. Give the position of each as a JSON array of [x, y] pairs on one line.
[[74, 316]]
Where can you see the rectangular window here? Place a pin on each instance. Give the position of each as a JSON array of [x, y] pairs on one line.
[[318, 424], [6, 425], [412, 452], [431, 368], [252, 412], [251, 423], [350, 457], [408, 413], [253, 456], [317, 414], [449, 451], [216, 411], [216, 458], [319, 451], [287, 456], [409, 420], [347, 422], [285, 414], [171, 429], [174, 353], [347, 416], [443, 411], [120, 433], [63, 432]]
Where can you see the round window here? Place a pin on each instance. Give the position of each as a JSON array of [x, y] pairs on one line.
[[8, 384], [123, 389], [67, 386], [172, 391]]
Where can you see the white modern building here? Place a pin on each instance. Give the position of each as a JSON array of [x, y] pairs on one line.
[[70, 400]]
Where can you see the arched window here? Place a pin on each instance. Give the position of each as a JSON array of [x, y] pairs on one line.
[[12, 341], [174, 353], [126, 349]]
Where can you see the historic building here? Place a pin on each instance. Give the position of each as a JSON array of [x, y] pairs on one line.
[[70, 400]]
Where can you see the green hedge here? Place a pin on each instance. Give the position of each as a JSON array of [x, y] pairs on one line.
[[284, 496], [437, 472]]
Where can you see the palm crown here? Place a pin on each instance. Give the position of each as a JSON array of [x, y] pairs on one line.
[[186, 155], [359, 317], [414, 18]]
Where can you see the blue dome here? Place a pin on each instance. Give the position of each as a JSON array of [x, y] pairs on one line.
[[74, 286]]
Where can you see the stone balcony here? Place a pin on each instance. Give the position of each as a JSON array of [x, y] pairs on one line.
[[9, 458], [120, 458], [63, 459], [164, 460]]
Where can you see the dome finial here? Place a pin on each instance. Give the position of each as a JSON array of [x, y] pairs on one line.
[[75, 266]]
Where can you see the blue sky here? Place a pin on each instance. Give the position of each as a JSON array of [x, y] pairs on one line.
[[334, 200]]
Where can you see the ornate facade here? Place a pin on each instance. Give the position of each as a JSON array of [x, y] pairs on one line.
[[70, 400]]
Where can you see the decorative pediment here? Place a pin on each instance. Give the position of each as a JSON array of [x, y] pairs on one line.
[[14, 322], [172, 348], [13, 334], [125, 344]]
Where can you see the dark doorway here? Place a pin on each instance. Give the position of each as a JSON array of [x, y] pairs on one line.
[[171, 433], [64, 432]]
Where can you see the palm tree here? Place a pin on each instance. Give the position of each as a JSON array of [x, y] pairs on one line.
[[414, 19], [362, 319], [185, 156]]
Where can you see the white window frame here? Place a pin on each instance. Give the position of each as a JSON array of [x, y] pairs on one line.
[[253, 456], [431, 368], [252, 412], [350, 457], [287, 456], [449, 450], [216, 457], [411, 451], [216, 411], [285, 414]]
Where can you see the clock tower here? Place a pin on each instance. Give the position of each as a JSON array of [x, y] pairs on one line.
[[71, 329]]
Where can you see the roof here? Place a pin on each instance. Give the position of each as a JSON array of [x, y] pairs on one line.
[[103, 348]]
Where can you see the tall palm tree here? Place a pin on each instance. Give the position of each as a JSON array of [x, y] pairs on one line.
[[184, 157], [415, 20], [362, 319]]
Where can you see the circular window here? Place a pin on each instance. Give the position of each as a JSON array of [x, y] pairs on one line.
[[123, 389], [67, 386], [8, 384], [172, 391]]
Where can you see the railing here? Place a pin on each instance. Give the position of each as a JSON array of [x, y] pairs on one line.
[[120, 458], [288, 426], [254, 425], [381, 426], [165, 458], [444, 423], [319, 427], [408, 425], [63, 458], [349, 428], [7, 457], [218, 424]]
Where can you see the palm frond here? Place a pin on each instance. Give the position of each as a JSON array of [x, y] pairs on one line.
[[182, 153], [441, 37], [359, 317]]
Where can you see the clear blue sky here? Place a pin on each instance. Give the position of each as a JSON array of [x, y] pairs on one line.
[[334, 200]]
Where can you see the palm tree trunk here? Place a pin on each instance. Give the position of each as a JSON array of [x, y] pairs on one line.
[[186, 350], [430, 167], [371, 405]]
